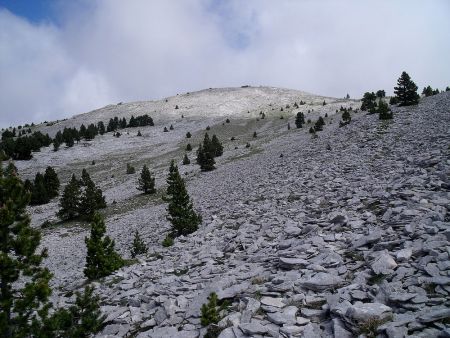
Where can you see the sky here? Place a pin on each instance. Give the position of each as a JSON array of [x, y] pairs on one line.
[[59, 58]]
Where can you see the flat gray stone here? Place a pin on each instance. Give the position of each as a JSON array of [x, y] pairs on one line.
[[433, 315], [383, 264], [322, 281], [271, 301], [253, 328], [361, 312]]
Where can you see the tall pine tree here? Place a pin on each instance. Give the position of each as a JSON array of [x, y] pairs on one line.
[[181, 214], [101, 259], [146, 182], [51, 182], [70, 199], [24, 288], [39, 194], [299, 120], [216, 146], [406, 91]]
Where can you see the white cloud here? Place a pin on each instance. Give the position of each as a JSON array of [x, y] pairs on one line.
[[107, 51]]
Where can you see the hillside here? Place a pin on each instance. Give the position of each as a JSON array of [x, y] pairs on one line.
[[343, 233]]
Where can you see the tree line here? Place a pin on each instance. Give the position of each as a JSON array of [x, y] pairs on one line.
[[21, 147]]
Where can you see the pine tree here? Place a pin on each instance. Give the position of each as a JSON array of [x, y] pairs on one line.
[[84, 317], [368, 102], [384, 111], [51, 182], [181, 214], [381, 93], [92, 198], [217, 147], [255, 135], [39, 194], [101, 128], [186, 160], [70, 199], [21, 305], [171, 178], [188, 147], [346, 117], [101, 259], [56, 145], [406, 91], [318, 126], [209, 313], [146, 182], [188, 135], [205, 158], [299, 120], [139, 246]]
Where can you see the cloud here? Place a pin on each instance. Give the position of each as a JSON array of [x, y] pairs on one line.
[[106, 51]]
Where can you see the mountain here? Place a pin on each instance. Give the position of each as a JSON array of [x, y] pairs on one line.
[[337, 233]]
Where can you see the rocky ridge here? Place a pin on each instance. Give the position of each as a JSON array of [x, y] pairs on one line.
[[346, 234]]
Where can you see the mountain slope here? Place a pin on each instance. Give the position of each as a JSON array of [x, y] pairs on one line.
[[357, 215]]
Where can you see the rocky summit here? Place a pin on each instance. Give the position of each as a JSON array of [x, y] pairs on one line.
[[340, 233]]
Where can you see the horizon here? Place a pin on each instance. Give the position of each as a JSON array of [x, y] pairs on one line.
[[60, 59]]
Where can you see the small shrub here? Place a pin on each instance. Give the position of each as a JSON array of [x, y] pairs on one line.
[[47, 224], [188, 147], [171, 127], [166, 130], [188, 135], [139, 246], [130, 169], [167, 242], [255, 135], [247, 145], [227, 121], [209, 311], [208, 128]]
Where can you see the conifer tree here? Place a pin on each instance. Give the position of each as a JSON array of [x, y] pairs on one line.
[[146, 182], [139, 246], [83, 318], [56, 145], [91, 198], [101, 259], [299, 120], [406, 91], [368, 102], [216, 146], [21, 305], [384, 111], [188, 147], [181, 214], [39, 194], [170, 180], [186, 160], [188, 135], [318, 126], [101, 128], [51, 182], [205, 158], [209, 313], [70, 199]]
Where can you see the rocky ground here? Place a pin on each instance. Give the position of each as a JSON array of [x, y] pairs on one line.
[[342, 235]]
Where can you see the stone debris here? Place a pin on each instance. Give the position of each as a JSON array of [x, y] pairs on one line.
[[317, 243]]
